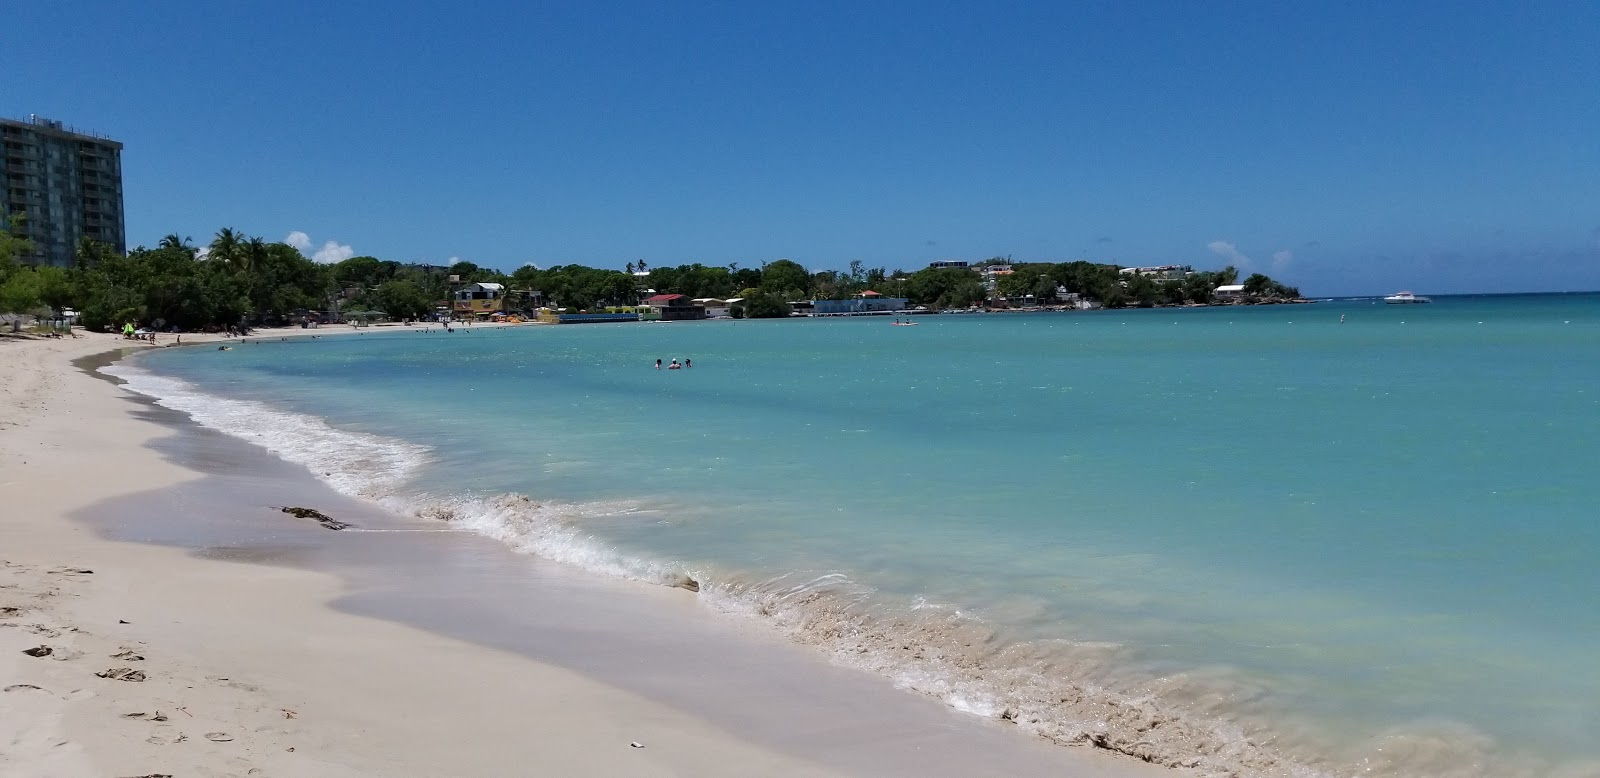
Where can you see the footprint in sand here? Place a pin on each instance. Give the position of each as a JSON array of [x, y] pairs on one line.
[[166, 734]]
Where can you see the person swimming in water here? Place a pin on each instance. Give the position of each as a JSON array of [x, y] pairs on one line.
[[658, 364], [687, 362], [674, 365]]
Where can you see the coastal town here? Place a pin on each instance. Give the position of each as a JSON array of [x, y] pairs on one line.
[[64, 260]]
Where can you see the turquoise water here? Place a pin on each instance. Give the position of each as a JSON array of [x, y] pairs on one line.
[[1244, 538]]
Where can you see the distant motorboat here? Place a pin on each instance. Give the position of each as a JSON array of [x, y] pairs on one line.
[[1405, 298], [904, 324]]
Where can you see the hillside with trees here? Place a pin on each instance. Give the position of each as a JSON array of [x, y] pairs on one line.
[[238, 279]]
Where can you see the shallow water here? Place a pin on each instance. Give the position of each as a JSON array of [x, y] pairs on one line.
[[1247, 538]]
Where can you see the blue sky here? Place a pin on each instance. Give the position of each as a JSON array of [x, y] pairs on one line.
[[1347, 148]]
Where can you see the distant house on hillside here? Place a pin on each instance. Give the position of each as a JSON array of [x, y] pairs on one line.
[[1229, 292], [1160, 272], [992, 275], [944, 263]]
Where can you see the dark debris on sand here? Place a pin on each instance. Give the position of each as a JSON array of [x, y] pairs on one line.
[[315, 515], [123, 674]]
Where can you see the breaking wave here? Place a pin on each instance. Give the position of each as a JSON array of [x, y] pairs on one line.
[[355, 463], [1072, 693]]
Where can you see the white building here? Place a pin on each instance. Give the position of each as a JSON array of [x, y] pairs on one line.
[[1229, 292], [715, 308]]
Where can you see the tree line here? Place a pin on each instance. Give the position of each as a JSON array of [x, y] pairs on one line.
[[239, 279]]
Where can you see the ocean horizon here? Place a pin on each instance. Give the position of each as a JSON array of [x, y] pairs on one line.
[[1334, 538]]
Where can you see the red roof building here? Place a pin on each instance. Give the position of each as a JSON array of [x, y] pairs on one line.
[[675, 307]]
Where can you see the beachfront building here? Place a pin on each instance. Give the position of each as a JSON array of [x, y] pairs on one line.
[[1074, 300], [480, 300], [715, 308], [674, 307], [1019, 301], [65, 183], [1228, 292], [866, 302], [612, 314]]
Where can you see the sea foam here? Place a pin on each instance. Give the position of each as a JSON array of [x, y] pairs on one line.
[[355, 463]]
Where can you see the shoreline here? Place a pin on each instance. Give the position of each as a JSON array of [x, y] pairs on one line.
[[255, 653]]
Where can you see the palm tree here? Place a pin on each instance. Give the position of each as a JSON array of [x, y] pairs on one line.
[[227, 246], [630, 268], [91, 252], [172, 241], [643, 266], [253, 255]]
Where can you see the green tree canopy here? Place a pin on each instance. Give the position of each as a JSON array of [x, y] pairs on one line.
[[765, 305], [785, 278], [403, 299], [946, 287]]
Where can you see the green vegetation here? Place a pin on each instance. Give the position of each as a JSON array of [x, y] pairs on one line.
[[242, 280], [764, 305], [1259, 285]]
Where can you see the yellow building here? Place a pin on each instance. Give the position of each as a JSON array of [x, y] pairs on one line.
[[480, 300]]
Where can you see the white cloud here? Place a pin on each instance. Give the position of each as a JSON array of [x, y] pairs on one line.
[[1229, 252], [1281, 259], [202, 252], [452, 260], [332, 252]]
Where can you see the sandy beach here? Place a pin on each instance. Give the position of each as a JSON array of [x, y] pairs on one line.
[[134, 659]]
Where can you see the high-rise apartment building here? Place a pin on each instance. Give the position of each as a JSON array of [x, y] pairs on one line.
[[66, 183]]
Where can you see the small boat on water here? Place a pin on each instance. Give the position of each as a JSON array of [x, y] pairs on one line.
[[1405, 298], [904, 324]]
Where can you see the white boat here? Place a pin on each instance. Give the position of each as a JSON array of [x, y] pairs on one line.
[[1404, 298]]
